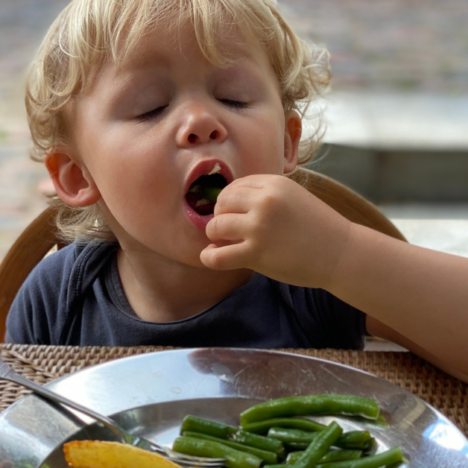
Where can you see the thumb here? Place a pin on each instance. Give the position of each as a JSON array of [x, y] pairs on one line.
[[229, 257]]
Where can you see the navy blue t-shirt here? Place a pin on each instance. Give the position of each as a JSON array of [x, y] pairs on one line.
[[75, 297]]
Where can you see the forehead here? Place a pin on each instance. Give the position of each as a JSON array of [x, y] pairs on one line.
[[163, 51], [164, 45]]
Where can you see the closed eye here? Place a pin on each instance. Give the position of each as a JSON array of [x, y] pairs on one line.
[[151, 114], [236, 104]]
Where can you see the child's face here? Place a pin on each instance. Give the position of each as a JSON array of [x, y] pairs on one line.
[[146, 131]]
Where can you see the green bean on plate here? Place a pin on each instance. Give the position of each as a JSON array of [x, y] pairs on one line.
[[281, 433]]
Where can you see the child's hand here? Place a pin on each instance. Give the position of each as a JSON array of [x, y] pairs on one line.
[[269, 224]]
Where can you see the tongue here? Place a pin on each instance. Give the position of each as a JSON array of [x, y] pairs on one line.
[[206, 209], [192, 199], [203, 210]]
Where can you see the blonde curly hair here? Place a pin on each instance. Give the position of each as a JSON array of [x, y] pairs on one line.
[[88, 33]]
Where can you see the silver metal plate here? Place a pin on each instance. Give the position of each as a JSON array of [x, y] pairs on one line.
[[149, 395]]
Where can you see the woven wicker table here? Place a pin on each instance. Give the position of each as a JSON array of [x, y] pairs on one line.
[[445, 393]]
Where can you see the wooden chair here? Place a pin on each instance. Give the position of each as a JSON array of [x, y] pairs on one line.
[[41, 235]]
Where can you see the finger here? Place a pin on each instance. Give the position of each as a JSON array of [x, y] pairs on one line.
[[230, 257], [256, 181], [227, 227], [234, 200]]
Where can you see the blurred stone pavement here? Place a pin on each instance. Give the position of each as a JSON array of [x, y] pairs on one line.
[[400, 80]]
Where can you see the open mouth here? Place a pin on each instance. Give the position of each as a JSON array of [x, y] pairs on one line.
[[203, 193]]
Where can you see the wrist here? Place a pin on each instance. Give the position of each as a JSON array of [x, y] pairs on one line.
[[345, 251], [335, 254]]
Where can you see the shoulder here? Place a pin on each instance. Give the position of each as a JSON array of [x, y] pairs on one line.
[[43, 301], [55, 265], [73, 254], [70, 262]]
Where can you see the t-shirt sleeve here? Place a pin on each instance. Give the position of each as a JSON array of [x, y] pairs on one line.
[[330, 322], [34, 316]]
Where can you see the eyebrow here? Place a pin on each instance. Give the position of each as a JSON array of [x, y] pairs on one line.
[[134, 73], [127, 83]]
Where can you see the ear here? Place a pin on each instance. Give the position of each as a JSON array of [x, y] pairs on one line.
[[292, 137], [73, 183]]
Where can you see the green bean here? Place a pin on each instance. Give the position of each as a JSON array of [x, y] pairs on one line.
[[224, 431], [261, 427], [333, 455], [207, 448], [389, 457], [309, 405], [296, 446], [319, 446], [360, 440], [210, 193], [381, 421], [365, 446], [270, 458], [205, 426], [261, 442], [299, 440], [295, 436]]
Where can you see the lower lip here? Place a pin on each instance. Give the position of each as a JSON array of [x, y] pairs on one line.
[[197, 220]]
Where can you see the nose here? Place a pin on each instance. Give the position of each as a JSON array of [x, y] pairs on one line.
[[200, 126]]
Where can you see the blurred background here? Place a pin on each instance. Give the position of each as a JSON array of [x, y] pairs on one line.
[[396, 117]]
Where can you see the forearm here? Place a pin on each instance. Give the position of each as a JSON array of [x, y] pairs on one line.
[[419, 293]]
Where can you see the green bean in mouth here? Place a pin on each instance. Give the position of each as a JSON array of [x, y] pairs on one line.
[[210, 193]]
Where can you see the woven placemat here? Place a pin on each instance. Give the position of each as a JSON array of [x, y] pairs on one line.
[[445, 393]]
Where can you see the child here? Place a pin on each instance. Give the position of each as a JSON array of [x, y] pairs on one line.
[[139, 109]]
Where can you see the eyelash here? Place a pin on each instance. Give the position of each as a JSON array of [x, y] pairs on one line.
[[156, 112], [235, 104], [151, 114]]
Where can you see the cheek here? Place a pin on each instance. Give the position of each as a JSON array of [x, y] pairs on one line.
[[265, 145], [139, 197], [138, 181], [129, 176]]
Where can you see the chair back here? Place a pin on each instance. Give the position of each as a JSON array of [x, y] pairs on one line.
[[346, 202], [41, 235]]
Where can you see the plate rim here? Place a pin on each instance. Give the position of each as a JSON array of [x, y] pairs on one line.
[[186, 352], [262, 351]]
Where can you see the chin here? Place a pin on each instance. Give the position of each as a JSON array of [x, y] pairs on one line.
[[191, 256], [193, 262]]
